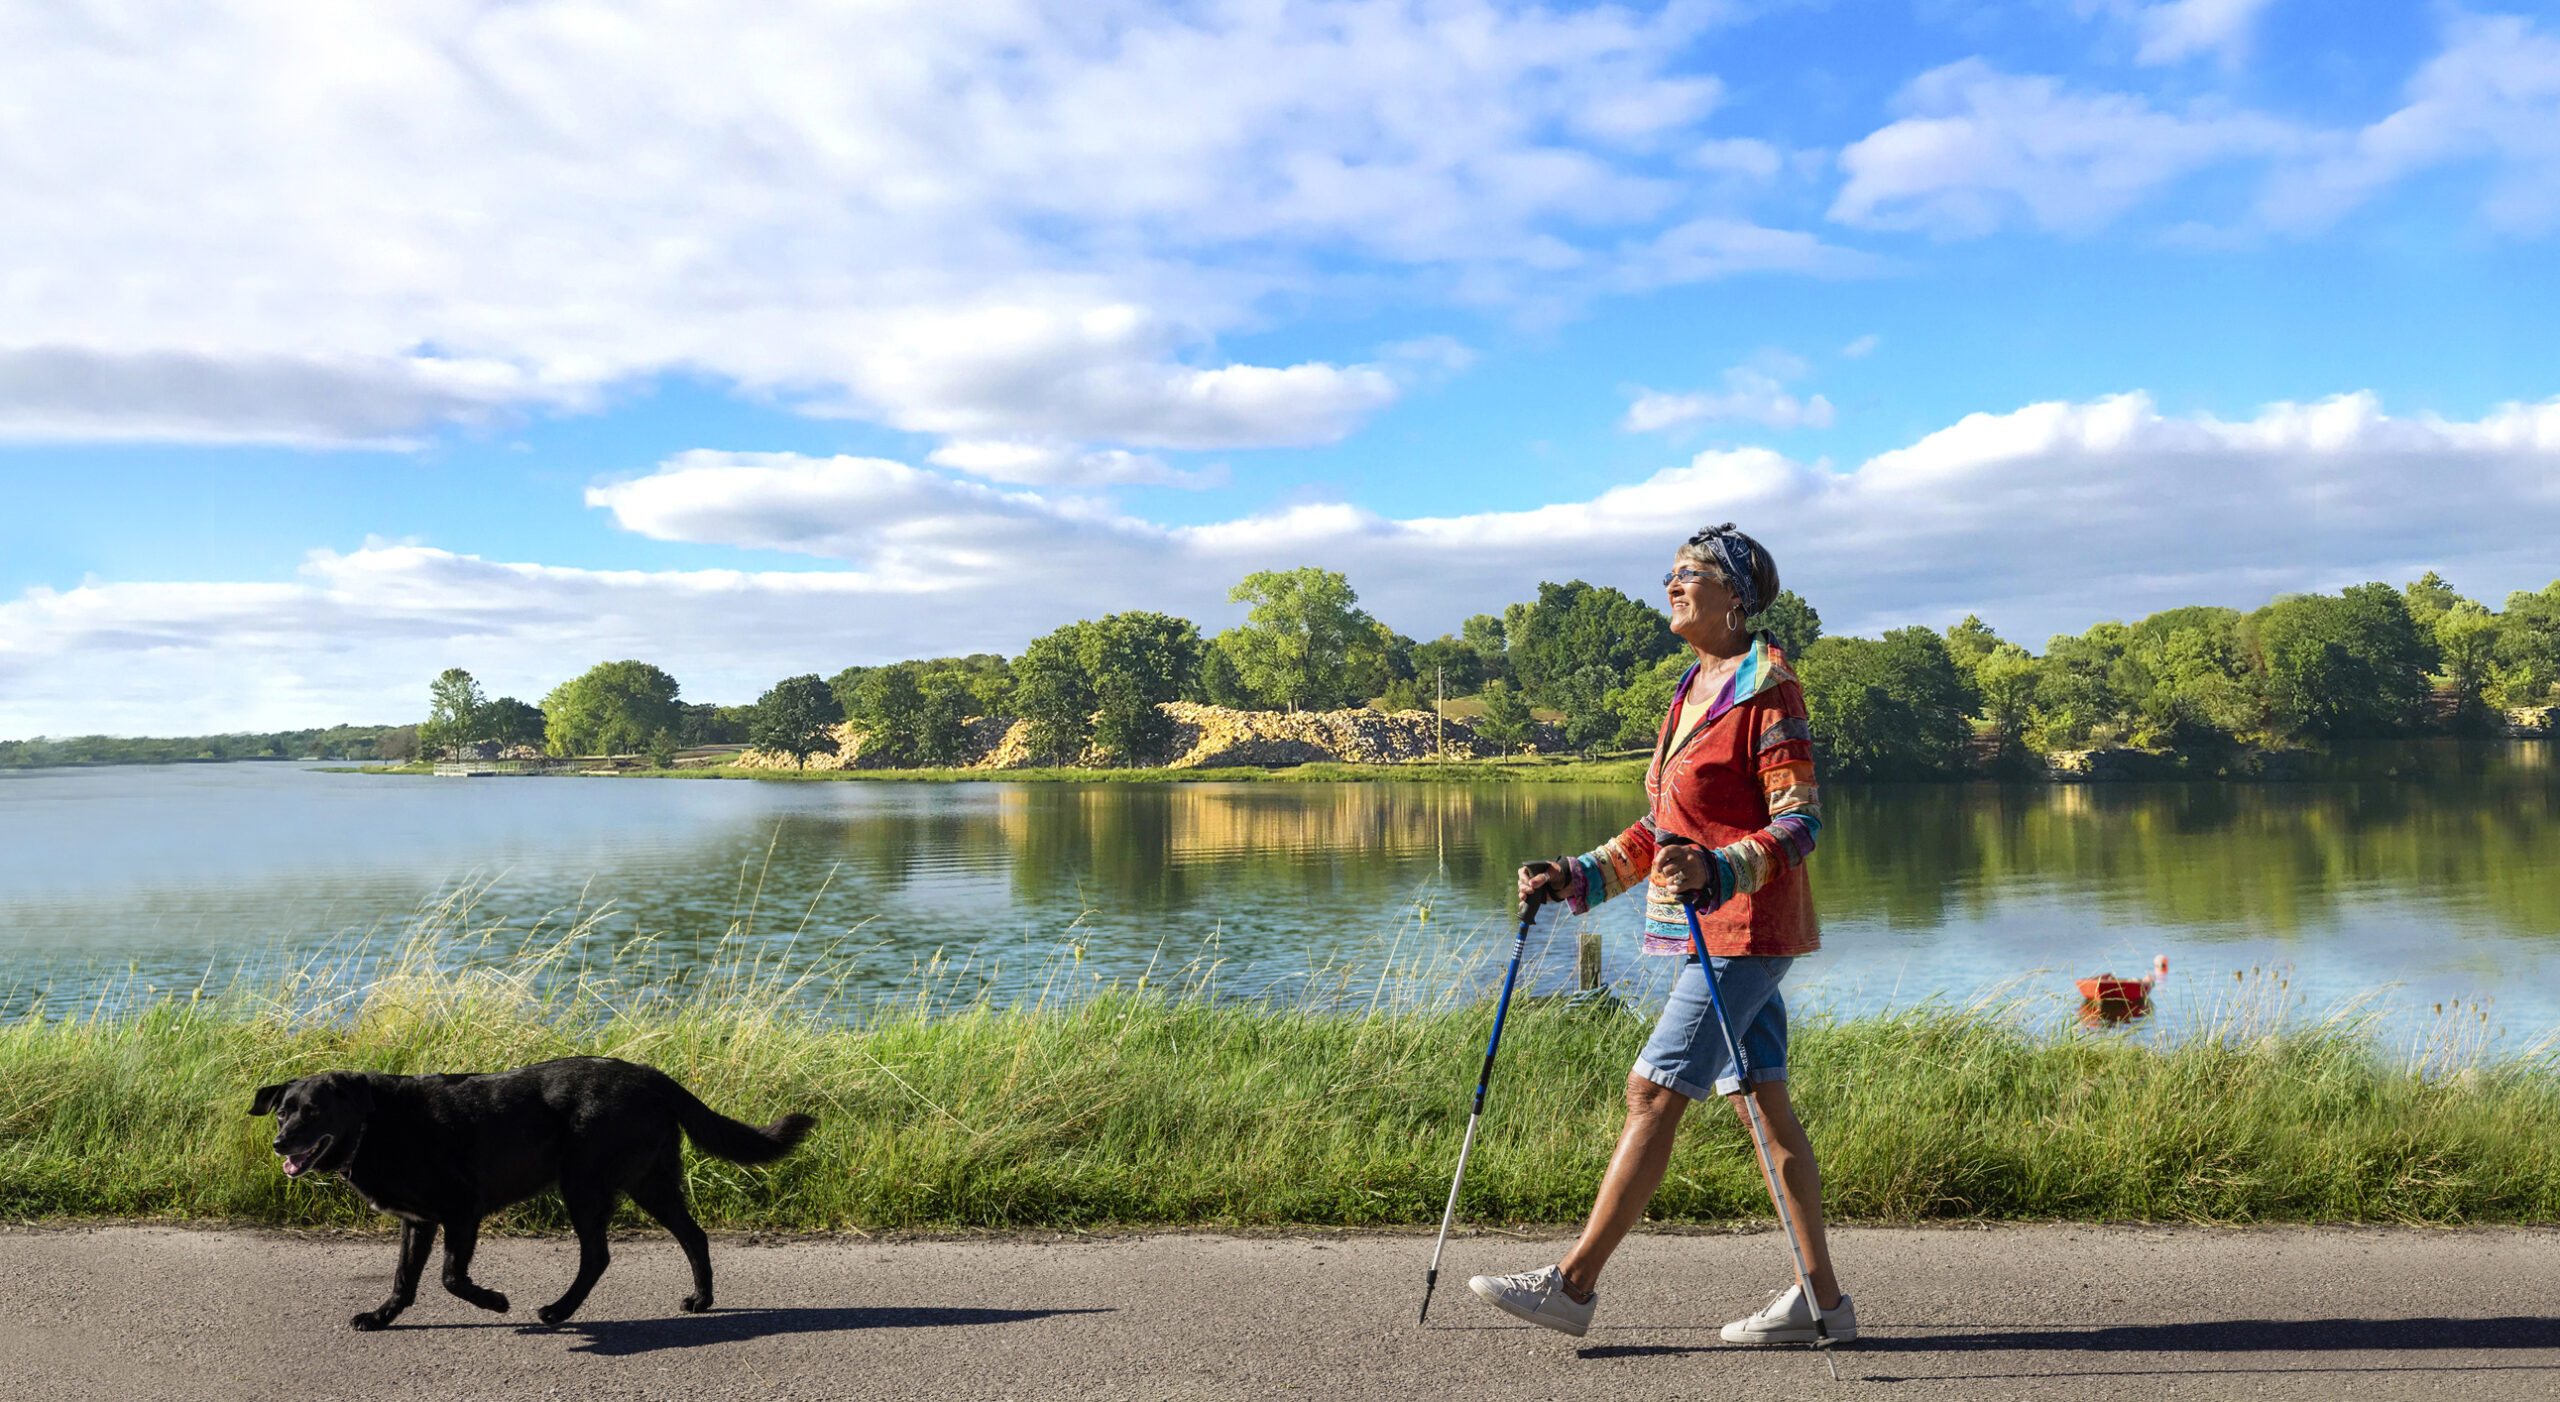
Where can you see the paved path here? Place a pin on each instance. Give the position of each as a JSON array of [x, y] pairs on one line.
[[2044, 1312]]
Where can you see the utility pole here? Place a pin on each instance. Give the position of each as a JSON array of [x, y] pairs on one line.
[[1439, 713]]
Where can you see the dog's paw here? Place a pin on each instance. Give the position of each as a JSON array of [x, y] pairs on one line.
[[554, 1314], [491, 1300], [371, 1320], [694, 1304]]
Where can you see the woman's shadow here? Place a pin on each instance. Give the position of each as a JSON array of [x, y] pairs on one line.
[[615, 1338]]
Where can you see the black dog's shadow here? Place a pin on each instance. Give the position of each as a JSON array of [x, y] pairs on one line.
[[615, 1338]]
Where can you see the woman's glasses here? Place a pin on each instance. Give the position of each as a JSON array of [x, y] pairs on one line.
[[1685, 575]]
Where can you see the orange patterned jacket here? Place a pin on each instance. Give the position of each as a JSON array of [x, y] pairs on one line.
[[1741, 785]]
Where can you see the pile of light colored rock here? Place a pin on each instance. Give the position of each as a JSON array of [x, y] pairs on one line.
[[2533, 722], [1206, 737]]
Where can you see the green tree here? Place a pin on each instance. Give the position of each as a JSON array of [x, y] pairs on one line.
[[1589, 721], [1970, 641], [2429, 598], [707, 724], [1507, 721], [1404, 694], [1888, 708], [611, 708], [511, 723], [2077, 700], [797, 717], [1134, 662], [1641, 704], [990, 681], [1221, 682], [2466, 637], [847, 686], [945, 698], [1789, 622], [1454, 661], [1486, 633], [890, 708], [662, 750], [2345, 665], [2006, 678], [1574, 625], [1297, 635], [2528, 650], [1053, 690], [454, 707], [1373, 663]]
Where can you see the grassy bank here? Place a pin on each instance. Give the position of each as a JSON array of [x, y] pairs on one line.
[[1147, 1107]]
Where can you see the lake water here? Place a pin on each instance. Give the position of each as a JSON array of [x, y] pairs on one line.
[[2427, 875]]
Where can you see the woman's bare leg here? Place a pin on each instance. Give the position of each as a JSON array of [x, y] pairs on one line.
[[1635, 1171], [1801, 1179]]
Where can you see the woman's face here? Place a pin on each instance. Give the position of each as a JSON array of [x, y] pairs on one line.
[[1700, 602]]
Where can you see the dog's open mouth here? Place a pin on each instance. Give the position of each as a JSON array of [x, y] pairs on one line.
[[296, 1165]]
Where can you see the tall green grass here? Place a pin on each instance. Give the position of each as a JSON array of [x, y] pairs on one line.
[[1166, 1104]]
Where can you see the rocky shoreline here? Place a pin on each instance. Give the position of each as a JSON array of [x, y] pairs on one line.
[[1214, 737]]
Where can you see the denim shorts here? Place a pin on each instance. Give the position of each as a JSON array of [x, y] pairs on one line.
[[1687, 1051]]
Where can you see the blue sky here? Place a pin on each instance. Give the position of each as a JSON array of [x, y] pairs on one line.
[[521, 337]]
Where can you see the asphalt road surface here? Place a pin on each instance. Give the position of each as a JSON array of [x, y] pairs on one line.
[[2044, 1312]]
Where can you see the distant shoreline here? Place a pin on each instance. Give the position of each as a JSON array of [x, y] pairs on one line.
[[2065, 769]]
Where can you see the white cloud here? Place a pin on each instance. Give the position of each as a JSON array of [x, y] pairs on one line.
[[69, 393], [1020, 219], [1713, 246], [1060, 464], [1862, 347], [1755, 393], [2492, 95], [2042, 519], [1738, 155], [2180, 29], [1981, 149]]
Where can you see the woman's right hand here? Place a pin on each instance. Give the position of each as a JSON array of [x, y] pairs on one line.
[[1541, 881]]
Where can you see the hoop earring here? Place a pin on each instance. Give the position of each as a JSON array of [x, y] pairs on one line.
[[1733, 619]]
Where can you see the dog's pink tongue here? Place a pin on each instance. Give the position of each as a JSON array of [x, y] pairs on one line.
[[292, 1165]]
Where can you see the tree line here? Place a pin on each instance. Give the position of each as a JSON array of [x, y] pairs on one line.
[[2369, 661], [342, 742]]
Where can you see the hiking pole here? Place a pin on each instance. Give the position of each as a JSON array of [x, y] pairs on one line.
[[1484, 1077], [1751, 1112]]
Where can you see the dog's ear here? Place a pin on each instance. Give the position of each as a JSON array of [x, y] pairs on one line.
[[264, 1103]]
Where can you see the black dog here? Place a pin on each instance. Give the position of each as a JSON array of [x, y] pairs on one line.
[[449, 1150]]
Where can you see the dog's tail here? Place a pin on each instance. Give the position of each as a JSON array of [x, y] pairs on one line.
[[738, 1142]]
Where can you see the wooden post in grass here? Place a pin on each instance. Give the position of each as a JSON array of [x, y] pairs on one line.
[[1587, 936]]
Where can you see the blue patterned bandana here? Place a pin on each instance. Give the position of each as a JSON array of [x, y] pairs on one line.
[[1734, 556]]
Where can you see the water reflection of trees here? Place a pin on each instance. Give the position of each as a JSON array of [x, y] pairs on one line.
[[2472, 831], [1307, 871], [1174, 846]]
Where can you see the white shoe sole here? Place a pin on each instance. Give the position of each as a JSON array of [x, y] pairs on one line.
[[1788, 1336], [1548, 1321], [1842, 1331]]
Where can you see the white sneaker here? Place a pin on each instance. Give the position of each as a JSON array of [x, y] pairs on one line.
[[1538, 1297], [1787, 1320]]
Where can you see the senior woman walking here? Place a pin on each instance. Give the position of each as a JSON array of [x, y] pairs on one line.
[[1732, 771]]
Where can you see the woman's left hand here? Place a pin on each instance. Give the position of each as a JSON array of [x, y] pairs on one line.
[[1680, 868]]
